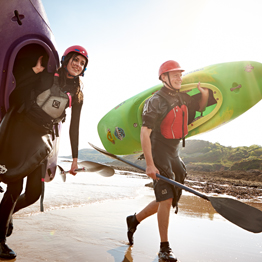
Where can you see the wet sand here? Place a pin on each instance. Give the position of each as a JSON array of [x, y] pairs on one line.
[[97, 232]]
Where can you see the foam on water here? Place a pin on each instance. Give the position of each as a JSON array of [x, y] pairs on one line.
[[86, 188]]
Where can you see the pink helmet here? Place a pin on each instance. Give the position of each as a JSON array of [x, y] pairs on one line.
[[169, 66], [76, 49]]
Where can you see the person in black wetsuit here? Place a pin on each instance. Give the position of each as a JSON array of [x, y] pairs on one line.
[[165, 118], [27, 130]]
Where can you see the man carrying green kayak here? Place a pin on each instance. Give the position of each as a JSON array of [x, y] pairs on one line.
[[165, 118]]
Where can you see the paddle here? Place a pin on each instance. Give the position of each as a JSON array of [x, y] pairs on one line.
[[89, 166], [242, 215]]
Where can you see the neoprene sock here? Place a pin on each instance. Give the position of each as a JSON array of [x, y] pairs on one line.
[[164, 245]]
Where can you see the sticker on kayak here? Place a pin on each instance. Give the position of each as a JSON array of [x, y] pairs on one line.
[[249, 68], [119, 133], [110, 137]]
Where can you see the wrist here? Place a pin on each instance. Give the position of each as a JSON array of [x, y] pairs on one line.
[[36, 70]]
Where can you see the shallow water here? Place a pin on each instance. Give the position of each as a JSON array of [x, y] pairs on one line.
[[87, 188], [196, 229]]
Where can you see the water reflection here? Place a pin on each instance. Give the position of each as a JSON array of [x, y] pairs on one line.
[[128, 255], [197, 207]]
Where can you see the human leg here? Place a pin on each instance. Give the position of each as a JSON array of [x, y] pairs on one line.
[[6, 209], [32, 193], [149, 210], [163, 218], [163, 213], [133, 220], [164, 195]]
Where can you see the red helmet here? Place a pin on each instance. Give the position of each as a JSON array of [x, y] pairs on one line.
[[169, 66], [76, 49]]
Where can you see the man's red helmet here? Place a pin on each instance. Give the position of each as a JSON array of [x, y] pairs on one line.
[[169, 66]]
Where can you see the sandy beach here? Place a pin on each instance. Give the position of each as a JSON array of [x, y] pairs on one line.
[[96, 230]]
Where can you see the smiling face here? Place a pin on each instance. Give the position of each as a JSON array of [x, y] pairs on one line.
[[175, 78], [75, 66]]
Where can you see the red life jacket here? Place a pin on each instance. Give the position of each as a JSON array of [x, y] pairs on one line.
[[174, 125]]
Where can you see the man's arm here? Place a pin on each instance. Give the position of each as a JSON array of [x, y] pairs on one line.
[[204, 97], [151, 170]]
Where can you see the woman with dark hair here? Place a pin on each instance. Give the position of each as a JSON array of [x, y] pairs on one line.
[[37, 105]]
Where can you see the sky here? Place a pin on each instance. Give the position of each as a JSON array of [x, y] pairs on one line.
[[127, 41]]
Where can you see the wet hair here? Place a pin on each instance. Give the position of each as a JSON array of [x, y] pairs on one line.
[[63, 76]]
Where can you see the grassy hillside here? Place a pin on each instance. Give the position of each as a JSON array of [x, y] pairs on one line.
[[198, 155], [91, 155], [206, 156]]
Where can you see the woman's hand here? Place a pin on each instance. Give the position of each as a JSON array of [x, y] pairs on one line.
[[74, 166], [38, 68]]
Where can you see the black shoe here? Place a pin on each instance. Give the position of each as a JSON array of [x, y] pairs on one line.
[[10, 228], [166, 254], [6, 252], [131, 227]]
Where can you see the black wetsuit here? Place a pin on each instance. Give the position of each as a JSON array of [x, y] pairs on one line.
[[165, 151], [23, 140]]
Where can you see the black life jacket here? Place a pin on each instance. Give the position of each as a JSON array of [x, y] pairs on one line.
[[174, 124]]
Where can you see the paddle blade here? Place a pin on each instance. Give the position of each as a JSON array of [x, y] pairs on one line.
[[101, 169], [62, 173], [242, 215], [107, 171]]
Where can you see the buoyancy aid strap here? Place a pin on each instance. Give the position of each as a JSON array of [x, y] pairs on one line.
[[70, 99], [53, 135], [56, 130], [43, 171], [21, 109]]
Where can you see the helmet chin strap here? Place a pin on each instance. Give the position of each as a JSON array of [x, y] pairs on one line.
[[170, 85]]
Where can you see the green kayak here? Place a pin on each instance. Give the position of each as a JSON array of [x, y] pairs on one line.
[[234, 88]]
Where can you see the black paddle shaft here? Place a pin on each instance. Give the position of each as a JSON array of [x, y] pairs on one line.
[[242, 215], [174, 183]]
